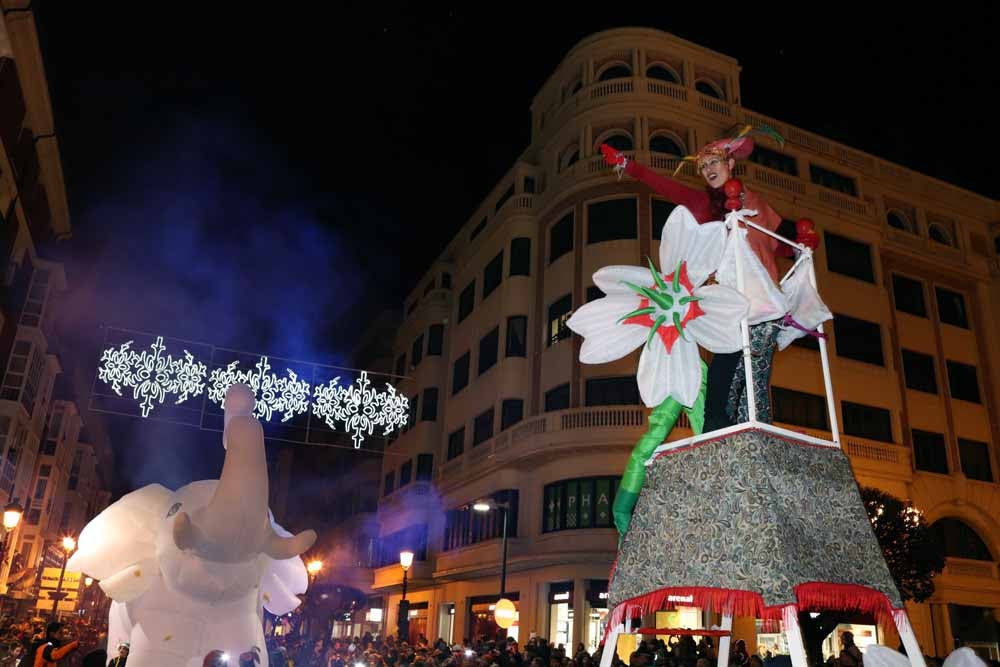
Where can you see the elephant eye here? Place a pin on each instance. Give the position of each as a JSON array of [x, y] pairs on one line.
[[174, 509]]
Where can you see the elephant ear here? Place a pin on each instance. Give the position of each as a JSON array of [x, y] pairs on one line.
[[283, 580], [118, 546]]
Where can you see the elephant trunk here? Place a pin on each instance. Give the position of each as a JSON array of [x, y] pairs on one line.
[[236, 525]]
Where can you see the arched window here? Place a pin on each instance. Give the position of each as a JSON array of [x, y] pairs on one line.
[[706, 87], [898, 220], [959, 540], [663, 143], [663, 73], [569, 157], [615, 71], [940, 235], [618, 140]]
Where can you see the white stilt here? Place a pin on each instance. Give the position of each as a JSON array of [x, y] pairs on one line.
[[796, 647], [913, 651], [736, 236], [727, 624], [611, 645]]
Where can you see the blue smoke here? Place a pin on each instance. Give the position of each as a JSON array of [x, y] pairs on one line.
[[210, 235]]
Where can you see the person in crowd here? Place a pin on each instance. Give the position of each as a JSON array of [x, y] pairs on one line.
[[52, 649], [850, 654], [122, 658]]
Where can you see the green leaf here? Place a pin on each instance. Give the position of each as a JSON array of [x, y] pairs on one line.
[[656, 325], [656, 275], [636, 313], [680, 327], [677, 277]]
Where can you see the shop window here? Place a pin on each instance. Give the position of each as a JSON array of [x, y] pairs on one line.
[[464, 526], [661, 210], [517, 336], [918, 369], [425, 467], [561, 613], [612, 220], [929, 451], [405, 473], [908, 295], [430, 411], [467, 301], [963, 381], [460, 374], [860, 340], [456, 443], [481, 622], [775, 160], [511, 412], [482, 428], [951, 308], [520, 257], [799, 408], [561, 238], [832, 180], [662, 73], [435, 340], [612, 391], [866, 421], [492, 275], [975, 457], [959, 540], [488, 349], [849, 257], [557, 398], [559, 313], [579, 503], [417, 351]]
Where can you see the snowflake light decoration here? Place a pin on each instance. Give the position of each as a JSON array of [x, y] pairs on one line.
[[150, 375], [153, 376], [286, 395], [360, 408]]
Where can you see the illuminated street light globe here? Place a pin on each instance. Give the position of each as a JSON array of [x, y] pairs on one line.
[[505, 613], [68, 544], [314, 567], [12, 515], [88, 581], [405, 559]]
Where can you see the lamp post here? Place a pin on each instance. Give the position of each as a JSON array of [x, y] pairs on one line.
[[313, 567], [68, 545], [405, 562], [486, 506], [12, 514]]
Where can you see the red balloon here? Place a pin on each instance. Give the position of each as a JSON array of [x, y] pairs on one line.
[[803, 225], [734, 204], [810, 239]]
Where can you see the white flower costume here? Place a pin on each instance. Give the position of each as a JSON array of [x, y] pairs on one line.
[[671, 313]]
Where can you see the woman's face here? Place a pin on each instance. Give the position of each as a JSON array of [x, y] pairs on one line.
[[716, 171]]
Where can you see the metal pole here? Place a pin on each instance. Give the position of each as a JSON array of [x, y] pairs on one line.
[[831, 405], [734, 219], [503, 560], [58, 595]]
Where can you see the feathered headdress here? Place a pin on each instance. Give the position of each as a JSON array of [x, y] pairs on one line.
[[738, 147]]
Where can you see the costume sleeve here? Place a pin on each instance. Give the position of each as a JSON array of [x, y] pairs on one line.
[[673, 190], [53, 654]]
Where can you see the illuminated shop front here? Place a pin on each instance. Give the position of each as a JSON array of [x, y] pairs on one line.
[[597, 612], [561, 614], [481, 619]]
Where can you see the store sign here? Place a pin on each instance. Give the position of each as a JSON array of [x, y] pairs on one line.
[[560, 597], [680, 598], [602, 596], [505, 613], [374, 616]]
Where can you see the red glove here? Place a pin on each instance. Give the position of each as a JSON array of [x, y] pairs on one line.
[[612, 156]]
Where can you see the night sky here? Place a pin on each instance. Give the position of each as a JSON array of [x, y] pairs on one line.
[[268, 179]]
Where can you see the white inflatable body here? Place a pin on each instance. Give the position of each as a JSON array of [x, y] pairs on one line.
[[190, 571]]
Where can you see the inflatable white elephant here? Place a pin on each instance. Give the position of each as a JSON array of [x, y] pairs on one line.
[[190, 571]]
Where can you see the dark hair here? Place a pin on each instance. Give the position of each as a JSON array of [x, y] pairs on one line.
[[53, 627]]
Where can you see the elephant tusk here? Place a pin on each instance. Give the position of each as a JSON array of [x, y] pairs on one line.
[[281, 548], [187, 536]]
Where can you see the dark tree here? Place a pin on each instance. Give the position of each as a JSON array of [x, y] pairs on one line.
[[910, 551]]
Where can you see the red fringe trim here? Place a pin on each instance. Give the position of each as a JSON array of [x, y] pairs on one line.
[[810, 596]]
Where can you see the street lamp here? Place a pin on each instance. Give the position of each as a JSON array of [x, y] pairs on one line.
[[405, 562], [313, 568], [68, 545], [12, 514], [487, 505]]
